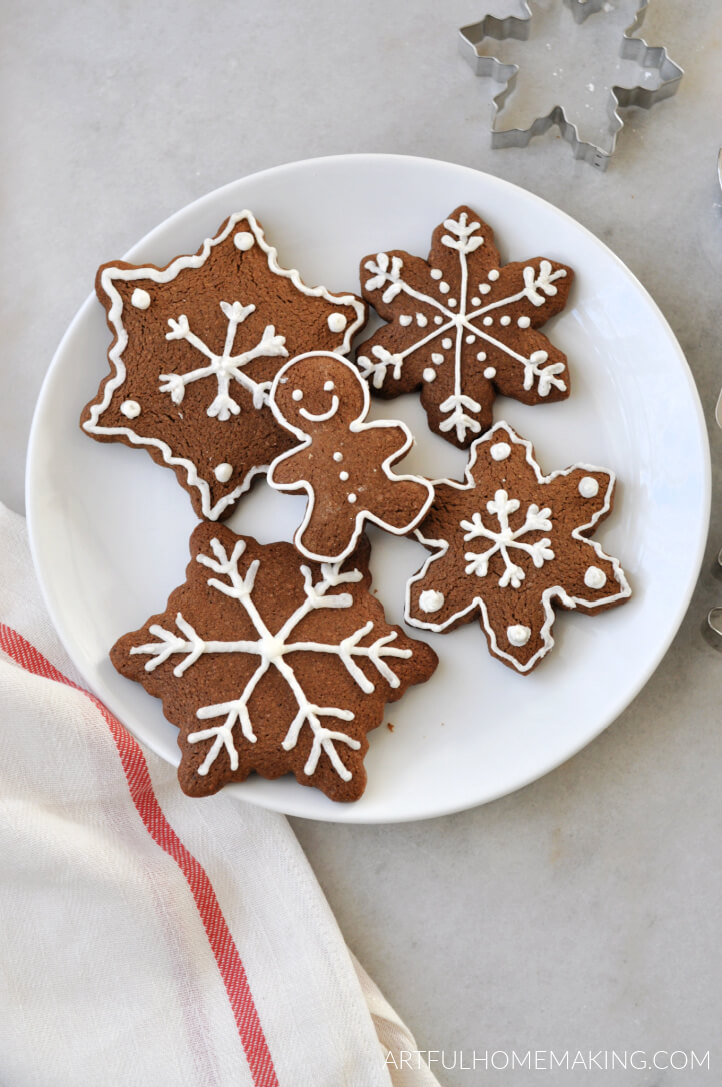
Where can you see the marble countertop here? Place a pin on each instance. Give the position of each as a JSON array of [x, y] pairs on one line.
[[582, 912]]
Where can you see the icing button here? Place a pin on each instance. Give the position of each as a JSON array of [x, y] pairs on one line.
[[243, 241], [518, 635], [588, 487], [431, 600], [223, 472], [140, 298], [595, 578], [337, 322], [500, 450], [130, 409]]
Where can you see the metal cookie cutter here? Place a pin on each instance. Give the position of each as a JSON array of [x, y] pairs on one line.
[[635, 49]]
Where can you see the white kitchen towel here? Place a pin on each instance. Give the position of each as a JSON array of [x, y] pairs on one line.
[[147, 938]]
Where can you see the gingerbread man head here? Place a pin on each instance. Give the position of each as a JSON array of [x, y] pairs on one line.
[[316, 389]]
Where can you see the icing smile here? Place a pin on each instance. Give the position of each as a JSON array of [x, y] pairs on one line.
[[324, 414]]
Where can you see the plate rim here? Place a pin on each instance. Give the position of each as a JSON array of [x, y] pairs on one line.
[[352, 814]]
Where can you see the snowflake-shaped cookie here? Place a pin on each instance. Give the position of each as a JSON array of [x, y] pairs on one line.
[[512, 543], [196, 347], [271, 664], [463, 328]]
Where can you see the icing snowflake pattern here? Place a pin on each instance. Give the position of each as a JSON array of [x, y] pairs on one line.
[[225, 367], [505, 538], [368, 651], [463, 328], [510, 544]]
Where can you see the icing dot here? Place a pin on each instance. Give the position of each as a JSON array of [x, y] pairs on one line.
[[243, 241], [444, 288], [337, 322], [140, 298], [493, 274], [446, 342], [489, 373], [328, 386], [518, 635], [488, 321], [437, 358], [595, 578], [431, 600], [476, 301], [405, 319], [130, 409], [484, 288], [588, 487], [429, 374], [422, 320], [523, 322], [351, 498], [505, 320], [470, 339], [223, 472], [452, 302], [343, 476], [297, 394], [438, 319], [481, 356], [500, 450], [338, 457], [436, 273]]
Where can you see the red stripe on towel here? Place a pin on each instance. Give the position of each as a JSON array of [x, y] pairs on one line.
[[141, 790]]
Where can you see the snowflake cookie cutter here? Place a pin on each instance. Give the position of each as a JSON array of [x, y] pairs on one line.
[[632, 48]]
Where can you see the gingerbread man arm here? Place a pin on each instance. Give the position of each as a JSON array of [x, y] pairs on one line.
[[290, 470]]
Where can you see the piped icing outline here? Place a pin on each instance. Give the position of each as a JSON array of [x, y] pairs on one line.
[[165, 275], [551, 592], [356, 426]]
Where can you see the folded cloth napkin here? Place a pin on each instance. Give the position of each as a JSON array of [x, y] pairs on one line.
[[147, 938]]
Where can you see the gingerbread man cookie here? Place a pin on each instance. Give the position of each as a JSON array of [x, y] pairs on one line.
[[343, 463], [463, 327], [196, 345], [510, 543]]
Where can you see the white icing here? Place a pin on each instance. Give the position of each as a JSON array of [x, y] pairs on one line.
[[549, 595], [297, 395], [405, 319], [437, 357], [352, 498], [438, 320], [500, 450], [337, 322], [422, 320], [493, 274], [343, 476], [505, 538], [470, 339], [322, 416], [451, 302], [447, 342], [484, 288], [338, 456], [272, 651], [429, 374], [436, 273], [140, 298], [444, 288], [328, 386], [588, 487], [431, 600], [523, 321], [595, 578], [489, 372], [130, 409], [476, 301], [243, 241], [518, 635], [165, 275], [223, 472], [481, 356], [488, 321], [505, 320]]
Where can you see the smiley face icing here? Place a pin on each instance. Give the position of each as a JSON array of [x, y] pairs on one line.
[[343, 463], [463, 328], [509, 544], [196, 345]]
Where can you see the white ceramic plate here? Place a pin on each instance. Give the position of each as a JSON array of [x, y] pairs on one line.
[[109, 528]]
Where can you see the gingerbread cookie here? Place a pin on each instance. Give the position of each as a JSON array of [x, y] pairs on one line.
[[511, 543], [269, 664], [196, 345], [343, 463], [463, 328]]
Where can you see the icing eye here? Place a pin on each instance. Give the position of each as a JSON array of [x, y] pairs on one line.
[[328, 386], [297, 394]]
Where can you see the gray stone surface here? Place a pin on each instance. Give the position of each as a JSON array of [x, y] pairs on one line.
[[584, 911]]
